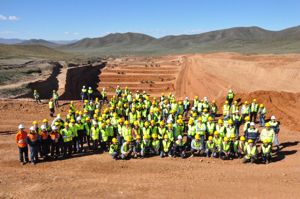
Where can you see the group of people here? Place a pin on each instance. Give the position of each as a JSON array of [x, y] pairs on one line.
[[134, 126]]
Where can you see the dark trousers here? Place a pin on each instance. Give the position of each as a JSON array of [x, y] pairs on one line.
[[253, 116], [23, 153], [44, 148], [67, 148], [51, 112], [54, 149]]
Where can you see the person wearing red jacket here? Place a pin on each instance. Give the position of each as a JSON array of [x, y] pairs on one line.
[[21, 139]]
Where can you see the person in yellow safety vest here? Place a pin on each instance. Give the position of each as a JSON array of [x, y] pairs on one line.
[[136, 130], [120, 128], [132, 115], [262, 111], [103, 96], [246, 124], [266, 150], [213, 109], [166, 147], [230, 130], [51, 107], [126, 131], [67, 140], [73, 128], [95, 134], [186, 106], [230, 97], [170, 132], [245, 110], [161, 130], [250, 152], [237, 121], [110, 130], [211, 126], [137, 147], [180, 147], [218, 143], [253, 111], [191, 130], [210, 147], [242, 147], [90, 94], [221, 128], [275, 126], [226, 110], [196, 148], [180, 108], [234, 107], [153, 127], [104, 137], [87, 127], [83, 93], [81, 133], [233, 146], [155, 145], [178, 130], [145, 146], [196, 102], [205, 115], [225, 154], [127, 149], [201, 130], [200, 106], [267, 133], [114, 149], [146, 129]]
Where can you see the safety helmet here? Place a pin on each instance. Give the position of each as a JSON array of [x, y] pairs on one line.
[[220, 121], [21, 126], [146, 123], [54, 128], [197, 137], [146, 136], [138, 136], [200, 119], [162, 123], [87, 119], [225, 139], [266, 141], [72, 120], [169, 124], [216, 133], [32, 128], [45, 120], [250, 141], [210, 138], [273, 117], [128, 139], [191, 121], [154, 135], [34, 122], [242, 138], [66, 124], [232, 136], [252, 124], [230, 121], [210, 118], [268, 124], [126, 122], [261, 105], [166, 136], [179, 137], [43, 127], [247, 118], [114, 140]]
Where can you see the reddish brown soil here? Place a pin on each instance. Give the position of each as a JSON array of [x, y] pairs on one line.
[[263, 77]]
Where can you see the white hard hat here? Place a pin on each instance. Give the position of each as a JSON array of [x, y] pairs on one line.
[[58, 117], [230, 91], [94, 122], [83, 86], [43, 127], [252, 124], [186, 97], [90, 87], [78, 118], [32, 128], [21, 126], [273, 117], [237, 111], [205, 99], [179, 137], [54, 128], [103, 89]]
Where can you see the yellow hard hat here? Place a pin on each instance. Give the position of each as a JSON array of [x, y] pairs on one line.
[[197, 137], [261, 105], [216, 133], [250, 141], [246, 102], [247, 118], [114, 140], [210, 118], [85, 110], [152, 122], [45, 120], [194, 114], [72, 120], [138, 137], [169, 124], [162, 123], [154, 135], [108, 121], [226, 102], [242, 138], [146, 136], [254, 100], [135, 123], [128, 139], [266, 141], [126, 122], [166, 136], [230, 121], [66, 124], [199, 118], [220, 121], [34, 122], [146, 123], [191, 122], [225, 139], [120, 120], [87, 119], [268, 124], [232, 136], [180, 116], [205, 110], [210, 138]]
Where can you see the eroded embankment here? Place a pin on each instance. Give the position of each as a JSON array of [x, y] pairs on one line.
[[76, 77], [45, 87]]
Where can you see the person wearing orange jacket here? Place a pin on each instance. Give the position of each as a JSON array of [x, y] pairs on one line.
[[32, 140], [21, 138]]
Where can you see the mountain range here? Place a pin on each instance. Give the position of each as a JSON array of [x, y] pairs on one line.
[[239, 39]]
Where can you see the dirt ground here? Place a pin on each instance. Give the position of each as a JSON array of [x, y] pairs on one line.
[[99, 176]]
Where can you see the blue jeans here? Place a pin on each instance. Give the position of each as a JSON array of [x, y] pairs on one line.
[[33, 153], [262, 120], [202, 142]]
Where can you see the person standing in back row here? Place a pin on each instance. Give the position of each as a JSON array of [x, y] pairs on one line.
[[55, 98], [230, 97]]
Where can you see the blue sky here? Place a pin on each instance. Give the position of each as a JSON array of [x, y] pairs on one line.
[[75, 19]]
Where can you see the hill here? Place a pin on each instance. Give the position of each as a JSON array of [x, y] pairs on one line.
[[39, 42], [240, 39], [30, 51]]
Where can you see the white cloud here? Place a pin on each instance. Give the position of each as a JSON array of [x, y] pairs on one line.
[[9, 18], [71, 33]]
